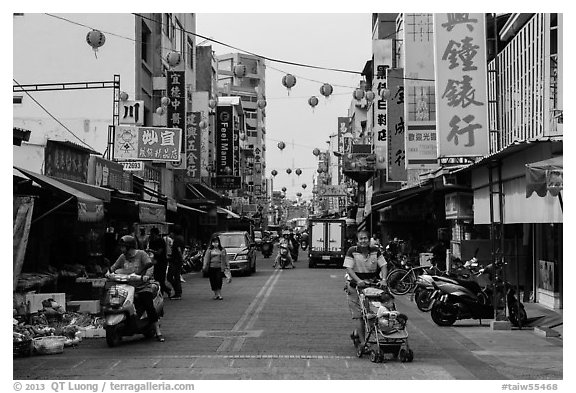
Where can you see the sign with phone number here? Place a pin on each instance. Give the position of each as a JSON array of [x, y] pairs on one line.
[[133, 166]]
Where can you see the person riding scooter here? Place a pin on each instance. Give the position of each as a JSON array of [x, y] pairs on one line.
[[134, 261], [283, 259]]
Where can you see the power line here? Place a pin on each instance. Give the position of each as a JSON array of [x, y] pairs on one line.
[[53, 117]]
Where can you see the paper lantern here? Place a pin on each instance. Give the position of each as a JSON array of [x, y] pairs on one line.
[[95, 39], [326, 89], [298, 171], [385, 94], [319, 170], [316, 152], [370, 96], [212, 103], [283, 189], [261, 103], [313, 101], [274, 172], [358, 94], [304, 186], [239, 70], [288, 171], [173, 58], [123, 96], [298, 194], [165, 101], [288, 81], [160, 110], [281, 145], [203, 124]]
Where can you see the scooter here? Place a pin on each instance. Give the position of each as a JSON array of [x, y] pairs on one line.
[[192, 262], [121, 318], [267, 248], [466, 299]]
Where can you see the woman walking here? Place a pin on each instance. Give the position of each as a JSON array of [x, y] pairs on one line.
[[217, 266]]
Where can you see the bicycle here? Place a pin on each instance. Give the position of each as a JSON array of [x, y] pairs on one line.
[[401, 281]]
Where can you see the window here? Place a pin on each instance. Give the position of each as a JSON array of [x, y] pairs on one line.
[[225, 65], [224, 81], [145, 42], [17, 99], [190, 53], [180, 43], [167, 26]]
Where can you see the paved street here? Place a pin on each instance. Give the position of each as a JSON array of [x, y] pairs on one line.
[[295, 324]]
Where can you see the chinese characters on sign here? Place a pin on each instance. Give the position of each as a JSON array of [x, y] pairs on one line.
[[396, 149], [176, 92], [193, 144], [460, 54], [344, 141], [382, 50], [147, 143], [65, 162], [132, 113]]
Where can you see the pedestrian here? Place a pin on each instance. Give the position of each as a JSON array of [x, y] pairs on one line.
[[362, 262], [217, 266], [142, 239], [175, 262], [157, 246]]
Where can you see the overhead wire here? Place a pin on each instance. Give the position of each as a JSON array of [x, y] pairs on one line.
[[52, 116]]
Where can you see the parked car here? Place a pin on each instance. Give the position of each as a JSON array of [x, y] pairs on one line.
[[241, 250]]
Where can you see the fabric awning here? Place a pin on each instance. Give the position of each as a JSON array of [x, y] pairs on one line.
[[102, 193], [150, 213], [392, 201], [545, 176], [229, 213], [181, 206], [89, 208], [202, 191]]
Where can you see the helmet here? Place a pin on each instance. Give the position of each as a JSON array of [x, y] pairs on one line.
[[128, 240]]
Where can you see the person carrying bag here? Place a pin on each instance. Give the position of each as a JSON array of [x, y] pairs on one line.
[[216, 265]]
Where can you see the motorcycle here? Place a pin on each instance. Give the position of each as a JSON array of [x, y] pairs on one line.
[[267, 248], [304, 241], [466, 299], [121, 317], [192, 262]]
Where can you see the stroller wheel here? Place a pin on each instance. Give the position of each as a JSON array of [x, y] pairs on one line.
[[374, 356], [410, 355], [403, 355], [359, 351]]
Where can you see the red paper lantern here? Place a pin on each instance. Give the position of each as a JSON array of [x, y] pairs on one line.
[[165, 101], [298, 171], [213, 103], [95, 39], [173, 58], [370, 96], [288, 81], [124, 96], [240, 71], [313, 101], [203, 124], [316, 152], [298, 194], [288, 171], [281, 145], [283, 189], [304, 186], [274, 172], [326, 89], [358, 94], [261, 103]]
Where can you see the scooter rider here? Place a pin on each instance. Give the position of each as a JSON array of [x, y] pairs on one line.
[[362, 262], [134, 261]]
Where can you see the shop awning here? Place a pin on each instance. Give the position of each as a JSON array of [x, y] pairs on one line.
[[89, 207], [202, 191], [150, 213], [229, 213], [102, 193], [545, 176], [400, 196], [181, 206]]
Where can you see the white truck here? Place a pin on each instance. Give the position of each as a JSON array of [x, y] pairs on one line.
[[327, 241]]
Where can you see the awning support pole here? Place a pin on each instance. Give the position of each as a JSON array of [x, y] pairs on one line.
[[51, 210]]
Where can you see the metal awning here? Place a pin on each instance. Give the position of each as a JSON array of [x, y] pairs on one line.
[[182, 206], [89, 207], [229, 213], [399, 196]]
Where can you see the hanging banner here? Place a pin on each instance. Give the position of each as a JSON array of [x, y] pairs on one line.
[[382, 51], [200, 104], [193, 145], [419, 111], [176, 92], [147, 143], [22, 219], [236, 146], [65, 162], [461, 97], [396, 149], [224, 141]]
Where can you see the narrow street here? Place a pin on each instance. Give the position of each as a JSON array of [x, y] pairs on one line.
[[294, 324]]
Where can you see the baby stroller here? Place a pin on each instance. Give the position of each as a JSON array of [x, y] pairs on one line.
[[383, 335]]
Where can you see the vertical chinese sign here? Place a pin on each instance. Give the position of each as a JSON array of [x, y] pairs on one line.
[[382, 51], [193, 145], [344, 141], [460, 64], [224, 141], [420, 108], [395, 111], [176, 110], [200, 104]]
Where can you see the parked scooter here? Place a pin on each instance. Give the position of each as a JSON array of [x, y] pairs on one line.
[[267, 247], [192, 261], [121, 318], [466, 299]]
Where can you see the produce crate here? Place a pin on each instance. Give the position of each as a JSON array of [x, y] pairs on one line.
[[22, 348], [49, 345]]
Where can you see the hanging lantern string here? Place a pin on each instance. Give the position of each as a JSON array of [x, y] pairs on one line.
[[229, 46]]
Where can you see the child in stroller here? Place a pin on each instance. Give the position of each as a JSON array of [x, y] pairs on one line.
[[283, 259], [385, 327]]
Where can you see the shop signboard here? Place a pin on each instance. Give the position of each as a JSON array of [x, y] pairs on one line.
[[200, 103], [226, 182], [224, 139], [461, 97], [64, 161], [459, 206], [105, 173], [332, 190], [382, 51], [193, 145], [395, 110], [132, 166], [420, 107], [131, 112], [176, 109], [147, 143]]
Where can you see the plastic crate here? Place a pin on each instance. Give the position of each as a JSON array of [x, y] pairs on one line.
[[22, 348], [49, 345]]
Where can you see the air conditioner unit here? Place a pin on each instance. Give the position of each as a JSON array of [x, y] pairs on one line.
[[449, 180]]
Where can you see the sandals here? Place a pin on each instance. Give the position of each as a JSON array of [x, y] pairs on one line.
[[160, 338]]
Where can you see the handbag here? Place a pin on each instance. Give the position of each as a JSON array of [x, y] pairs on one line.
[[226, 267]]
